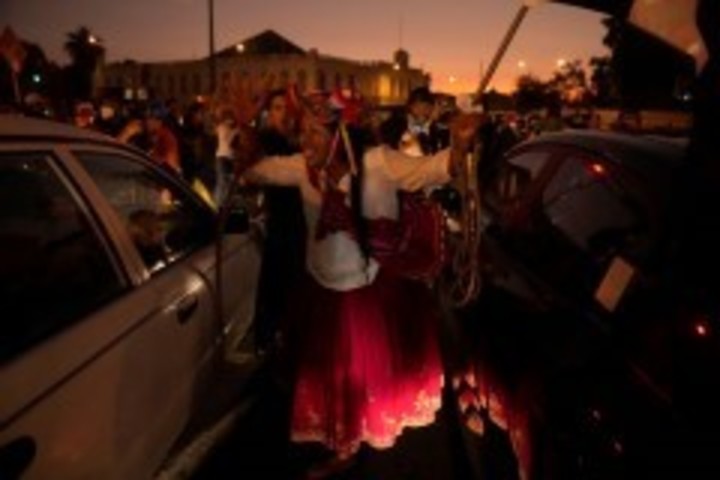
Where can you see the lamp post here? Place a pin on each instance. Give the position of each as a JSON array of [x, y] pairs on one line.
[[211, 59]]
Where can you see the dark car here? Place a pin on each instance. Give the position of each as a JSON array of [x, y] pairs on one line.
[[583, 323]]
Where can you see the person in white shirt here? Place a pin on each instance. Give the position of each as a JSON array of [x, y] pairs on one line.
[[367, 357]]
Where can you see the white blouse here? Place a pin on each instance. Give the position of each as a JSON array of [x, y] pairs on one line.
[[336, 261]]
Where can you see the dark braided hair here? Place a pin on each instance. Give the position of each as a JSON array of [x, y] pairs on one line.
[[360, 141]]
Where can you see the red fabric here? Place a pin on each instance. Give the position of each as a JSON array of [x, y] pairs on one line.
[[413, 246], [368, 363]]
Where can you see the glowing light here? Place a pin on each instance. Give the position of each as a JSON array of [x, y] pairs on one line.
[[701, 328], [561, 62], [452, 79], [396, 66], [92, 39], [522, 64], [598, 169], [618, 447], [240, 47]]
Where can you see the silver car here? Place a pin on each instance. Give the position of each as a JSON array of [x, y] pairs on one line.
[[111, 326]]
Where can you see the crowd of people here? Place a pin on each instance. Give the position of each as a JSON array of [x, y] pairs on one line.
[[353, 240], [351, 296]]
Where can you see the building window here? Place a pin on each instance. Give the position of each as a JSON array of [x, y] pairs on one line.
[[225, 79], [352, 83], [197, 83], [302, 80], [284, 78], [183, 84], [338, 80], [321, 80], [171, 85]]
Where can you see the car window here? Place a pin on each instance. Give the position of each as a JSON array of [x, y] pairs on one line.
[[54, 267], [165, 222], [516, 176], [569, 231], [584, 202]]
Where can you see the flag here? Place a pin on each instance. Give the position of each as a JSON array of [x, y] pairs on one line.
[[12, 49]]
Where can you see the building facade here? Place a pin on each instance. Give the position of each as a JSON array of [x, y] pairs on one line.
[[264, 61]]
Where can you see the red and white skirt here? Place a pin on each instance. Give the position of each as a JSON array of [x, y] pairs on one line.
[[368, 363]]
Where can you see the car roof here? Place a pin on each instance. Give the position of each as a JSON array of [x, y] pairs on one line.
[[641, 152], [18, 127]]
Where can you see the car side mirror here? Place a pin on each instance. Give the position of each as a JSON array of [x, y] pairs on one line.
[[238, 222]]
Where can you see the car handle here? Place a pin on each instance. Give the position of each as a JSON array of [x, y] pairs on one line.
[[186, 307], [16, 457]]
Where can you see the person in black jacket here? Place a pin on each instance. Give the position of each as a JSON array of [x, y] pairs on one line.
[[284, 246], [414, 131]]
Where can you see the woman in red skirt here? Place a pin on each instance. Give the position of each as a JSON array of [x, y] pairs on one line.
[[368, 364]]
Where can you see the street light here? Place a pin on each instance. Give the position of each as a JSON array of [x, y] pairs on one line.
[[211, 58], [522, 64], [240, 47], [561, 62], [92, 39]]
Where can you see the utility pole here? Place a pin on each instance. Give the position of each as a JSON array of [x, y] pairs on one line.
[[211, 59]]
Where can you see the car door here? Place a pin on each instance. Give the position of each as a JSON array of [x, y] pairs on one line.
[[111, 171], [106, 391], [79, 337]]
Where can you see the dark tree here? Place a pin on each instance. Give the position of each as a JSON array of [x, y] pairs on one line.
[[569, 84], [602, 82], [533, 94], [648, 73], [85, 53]]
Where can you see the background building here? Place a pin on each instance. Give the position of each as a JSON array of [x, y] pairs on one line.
[[267, 60]]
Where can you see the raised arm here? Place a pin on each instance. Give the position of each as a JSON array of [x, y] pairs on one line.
[[284, 170], [415, 173], [274, 170]]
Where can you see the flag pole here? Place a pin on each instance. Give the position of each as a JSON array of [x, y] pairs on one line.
[[16, 87], [500, 53]]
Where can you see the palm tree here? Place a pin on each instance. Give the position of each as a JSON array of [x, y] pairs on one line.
[[85, 51]]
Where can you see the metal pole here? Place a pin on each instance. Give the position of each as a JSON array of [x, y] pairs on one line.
[[509, 36], [213, 67], [16, 87]]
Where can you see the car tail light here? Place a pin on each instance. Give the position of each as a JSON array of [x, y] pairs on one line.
[[597, 169], [701, 327]]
